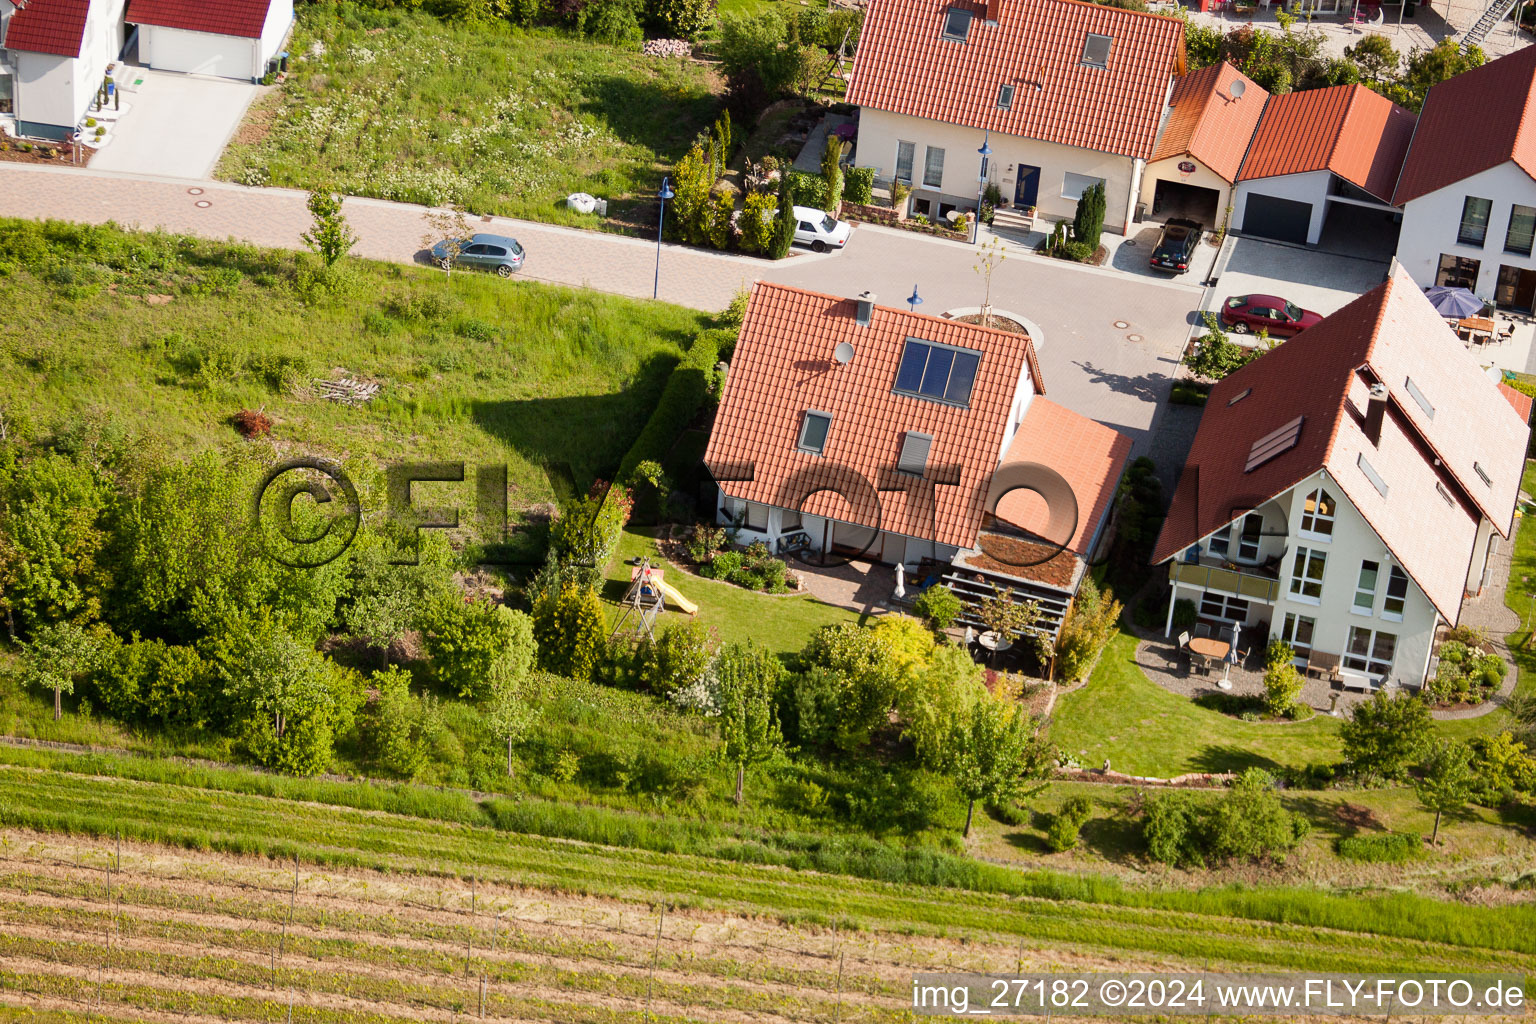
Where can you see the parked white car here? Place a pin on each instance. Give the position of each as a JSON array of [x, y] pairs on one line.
[[820, 230]]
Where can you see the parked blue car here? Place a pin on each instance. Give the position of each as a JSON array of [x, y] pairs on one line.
[[489, 252]]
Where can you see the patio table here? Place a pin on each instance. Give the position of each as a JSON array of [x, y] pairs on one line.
[[1354, 679], [1474, 325], [1210, 647]]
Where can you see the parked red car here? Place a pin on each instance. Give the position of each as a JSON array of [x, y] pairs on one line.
[[1244, 313]]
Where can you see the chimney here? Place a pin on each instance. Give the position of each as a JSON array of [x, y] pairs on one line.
[[1375, 413], [864, 308], [994, 8]]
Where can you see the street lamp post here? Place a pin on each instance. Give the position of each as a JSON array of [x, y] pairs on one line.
[[981, 187], [665, 194], [914, 300]]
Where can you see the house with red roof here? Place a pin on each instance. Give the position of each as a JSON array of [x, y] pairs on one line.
[[1468, 187], [53, 58], [1063, 93], [856, 430], [1317, 152], [1211, 118], [1346, 491], [224, 38]]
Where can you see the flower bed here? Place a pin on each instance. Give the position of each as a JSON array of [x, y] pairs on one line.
[[861, 214], [1468, 673], [752, 568]]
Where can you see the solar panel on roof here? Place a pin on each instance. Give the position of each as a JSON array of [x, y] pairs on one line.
[[1273, 443], [1371, 475]]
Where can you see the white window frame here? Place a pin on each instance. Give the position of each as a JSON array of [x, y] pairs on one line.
[[1300, 580], [805, 421], [1232, 608], [1370, 663], [1291, 630], [1084, 182], [1395, 575], [1310, 521], [1367, 565]]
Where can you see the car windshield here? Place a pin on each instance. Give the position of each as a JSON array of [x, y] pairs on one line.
[[517, 250], [1292, 311], [828, 224], [1240, 300]]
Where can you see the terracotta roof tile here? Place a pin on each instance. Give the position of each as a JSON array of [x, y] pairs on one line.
[[904, 66], [1391, 335], [49, 26], [1205, 122], [1357, 134], [783, 366], [1476, 120], [1518, 399], [220, 17]]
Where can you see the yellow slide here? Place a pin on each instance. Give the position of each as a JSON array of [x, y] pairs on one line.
[[677, 600]]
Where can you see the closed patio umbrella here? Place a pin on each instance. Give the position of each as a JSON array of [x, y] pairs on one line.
[[901, 574], [1231, 658], [1453, 302]]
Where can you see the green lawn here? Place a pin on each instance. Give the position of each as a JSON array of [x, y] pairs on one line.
[[780, 623], [162, 339], [1145, 730], [400, 105]]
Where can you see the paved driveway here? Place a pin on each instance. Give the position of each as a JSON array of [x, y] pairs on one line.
[[1116, 375], [1314, 280], [176, 125]]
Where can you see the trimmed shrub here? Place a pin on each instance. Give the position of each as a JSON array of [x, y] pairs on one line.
[[757, 222], [938, 606], [784, 227], [1088, 221], [682, 398], [808, 189], [677, 658], [859, 185], [1067, 824]]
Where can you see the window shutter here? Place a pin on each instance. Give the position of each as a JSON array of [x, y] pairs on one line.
[[914, 452]]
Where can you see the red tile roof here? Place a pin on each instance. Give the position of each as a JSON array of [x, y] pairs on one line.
[[1391, 335], [1357, 134], [1088, 455], [1205, 122], [1518, 399], [783, 366], [49, 26], [903, 66], [1477, 120], [220, 17]]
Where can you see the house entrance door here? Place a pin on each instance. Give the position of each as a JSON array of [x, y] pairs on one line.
[[1026, 190]]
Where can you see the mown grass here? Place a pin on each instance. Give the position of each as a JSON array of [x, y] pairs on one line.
[[400, 105], [781, 623], [472, 367], [917, 890]]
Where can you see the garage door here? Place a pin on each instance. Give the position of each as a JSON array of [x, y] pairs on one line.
[[1284, 220], [197, 53]]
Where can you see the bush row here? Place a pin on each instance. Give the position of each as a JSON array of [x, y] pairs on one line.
[[684, 395]]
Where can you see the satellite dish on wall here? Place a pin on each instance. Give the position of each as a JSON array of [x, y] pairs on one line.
[[843, 353], [1237, 89]]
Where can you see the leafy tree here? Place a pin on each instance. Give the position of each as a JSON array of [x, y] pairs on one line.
[[784, 227], [1446, 783], [152, 681], [678, 656], [832, 170], [1170, 829], [757, 222], [396, 726], [569, 626], [386, 600], [763, 60], [475, 644], [1091, 624], [587, 529], [1006, 617], [1066, 824], [1282, 683], [1386, 734], [938, 606], [871, 668], [615, 22], [52, 528], [991, 750], [1250, 823], [939, 691], [1426, 68], [507, 713], [1216, 355], [330, 238], [451, 227], [1374, 56], [57, 653], [1088, 221], [748, 679], [1500, 766]]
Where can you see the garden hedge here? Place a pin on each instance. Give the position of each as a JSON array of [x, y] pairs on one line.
[[684, 394]]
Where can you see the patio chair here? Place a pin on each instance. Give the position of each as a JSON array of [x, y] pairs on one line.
[[1224, 634], [1507, 333], [1202, 629]]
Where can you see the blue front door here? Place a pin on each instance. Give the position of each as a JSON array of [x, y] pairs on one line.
[[1027, 190]]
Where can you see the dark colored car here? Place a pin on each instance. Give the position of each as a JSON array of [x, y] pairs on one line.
[[490, 252], [1244, 313], [1177, 246]]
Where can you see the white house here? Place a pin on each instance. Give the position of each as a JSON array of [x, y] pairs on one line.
[[850, 428], [223, 38], [1345, 491], [1317, 153], [1467, 188], [53, 59], [1065, 94]]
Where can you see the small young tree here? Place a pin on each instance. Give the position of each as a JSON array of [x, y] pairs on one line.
[[474, 644], [1215, 354], [56, 654], [507, 712], [832, 171], [784, 229], [1386, 734], [1282, 683], [1447, 781], [395, 724], [1375, 57], [989, 258], [330, 238], [748, 680], [1088, 222], [1006, 617], [992, 749], [938, 607], [449, 226]]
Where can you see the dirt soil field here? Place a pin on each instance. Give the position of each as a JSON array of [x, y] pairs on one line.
[[163, 935]]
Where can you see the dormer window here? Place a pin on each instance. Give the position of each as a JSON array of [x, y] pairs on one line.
[[1096, 50], [1005, 96], [957, 25]]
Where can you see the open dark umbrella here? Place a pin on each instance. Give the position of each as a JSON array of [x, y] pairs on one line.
[[1453, 302]]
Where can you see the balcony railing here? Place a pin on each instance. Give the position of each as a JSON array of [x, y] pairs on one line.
[[1246, 585]]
